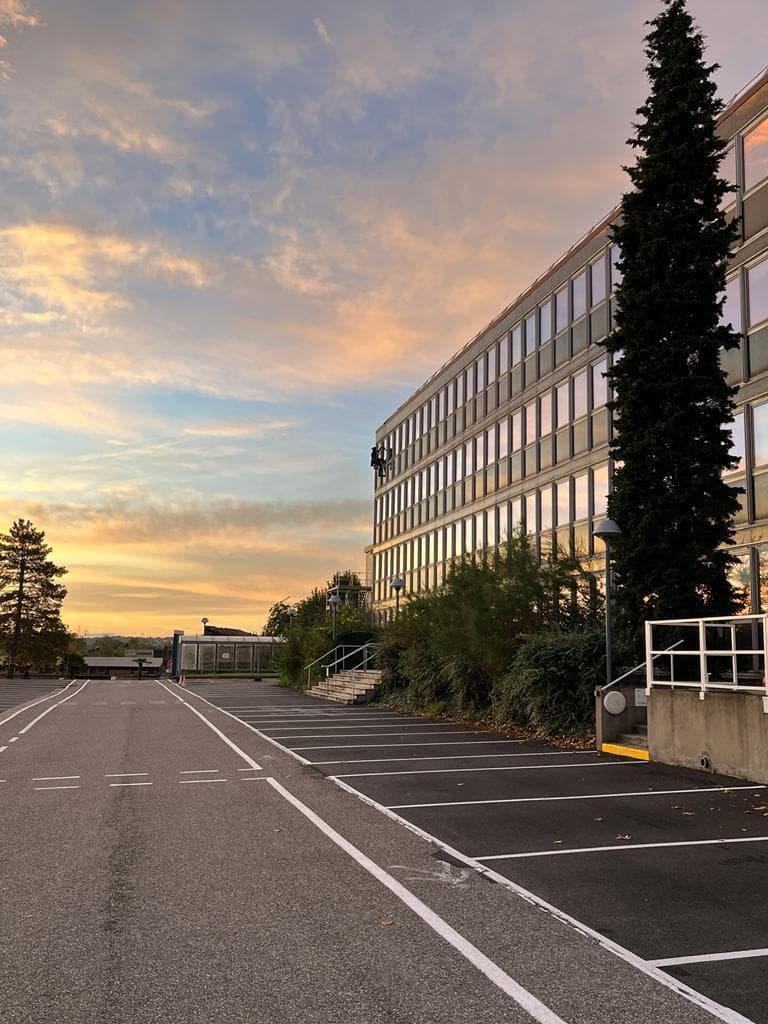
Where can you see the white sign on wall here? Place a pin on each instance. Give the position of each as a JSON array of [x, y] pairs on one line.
[[641, 697]]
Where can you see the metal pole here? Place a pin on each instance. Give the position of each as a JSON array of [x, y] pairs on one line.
[[397, 603], [608, 614], [333, 618]]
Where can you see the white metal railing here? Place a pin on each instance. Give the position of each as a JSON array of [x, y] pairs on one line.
[[717, 653], [637, 668]]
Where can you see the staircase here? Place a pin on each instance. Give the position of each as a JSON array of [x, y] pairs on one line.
[[354, 686]]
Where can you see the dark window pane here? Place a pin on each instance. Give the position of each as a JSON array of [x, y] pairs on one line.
[[597, 280], [530, 334], [728, 171], [731, 313], [599, 385], [503, 354], [616, 274], [517, 344], [580, 395]]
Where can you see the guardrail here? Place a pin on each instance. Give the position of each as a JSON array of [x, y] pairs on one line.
[[715, 653]]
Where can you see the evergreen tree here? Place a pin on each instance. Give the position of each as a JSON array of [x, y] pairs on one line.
[[673, 404], [30, 598]]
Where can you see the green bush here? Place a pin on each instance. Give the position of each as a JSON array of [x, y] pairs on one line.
[[551, 682]]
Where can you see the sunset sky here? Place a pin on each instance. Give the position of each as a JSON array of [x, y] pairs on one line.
[[234, 235]]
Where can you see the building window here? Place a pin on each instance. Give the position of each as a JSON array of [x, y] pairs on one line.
[[757, 282], [738, 445], [563, 405], [530, 334], [599, 385], [597, 280], [503, 355], [469, 381], [545, 410], [580, 395], [517, 430], [563, 510], [516, 513], [546, 509], [545, 322], [503, 438], [480, 369], [490, 445], [756, 154], [580, 295], [600, 490], [581, 497], [760, 431], [480, 451], [491, 357], [460, 390], [517, 344], [530, 423], [503, 534], [531, 525], [469, 465], [731, 309], [561, 309], [616, 274]]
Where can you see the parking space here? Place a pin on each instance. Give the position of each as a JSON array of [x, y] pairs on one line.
[[16, 692], [668, 863]]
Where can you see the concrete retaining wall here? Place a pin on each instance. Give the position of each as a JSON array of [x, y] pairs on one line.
[[729, 729]]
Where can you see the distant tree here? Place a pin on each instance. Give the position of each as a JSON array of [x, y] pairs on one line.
[[673, 405], [31, 630], [278, 620]]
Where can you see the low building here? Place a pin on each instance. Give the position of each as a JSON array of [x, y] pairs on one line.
[[206, 654], [123, 668]]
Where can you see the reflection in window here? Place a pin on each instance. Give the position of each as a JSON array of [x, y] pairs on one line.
[[469, 381], [503, 355], [479, 531], [740, 578], [503, 523], [597, 280], [516, 513], [760, 431], [490, 527], [530, 423], [579, 295], [756, 154], [460, 390], [580, 394], [561, 309], [517, 344], [531, 525], [581, 497], [517, 431], [480, 370], [599, 385], [563, 491], [757, 279], [738, 444], [459, 463], [530, 334], [731, 311], [545, 419], [600, 490], [545, 513], [480, 451], [545, 322], [490, 445], [450, 405], [503, 438], [563, 403], [469, 463]]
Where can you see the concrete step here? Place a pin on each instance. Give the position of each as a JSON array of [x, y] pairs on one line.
[[634, 739]]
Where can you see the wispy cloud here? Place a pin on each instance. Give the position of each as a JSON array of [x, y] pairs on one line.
[[322, 31]]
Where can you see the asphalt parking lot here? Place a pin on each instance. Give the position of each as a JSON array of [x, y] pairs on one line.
[[16, 692], [668, 865]]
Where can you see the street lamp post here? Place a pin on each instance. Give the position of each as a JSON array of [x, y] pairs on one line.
[[397, 585], [608, 530], [291, 613], [334, 601]]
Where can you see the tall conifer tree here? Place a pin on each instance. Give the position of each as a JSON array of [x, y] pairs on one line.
[[673, 404]]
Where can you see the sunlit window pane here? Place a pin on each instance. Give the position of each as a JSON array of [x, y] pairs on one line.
[[503, 354], [600, 490], [490, 445], [516, 513], [546, 509], [599, 385], [581, 497], [563, 403], [531, 524], [469, 462], [756, 154], [517, 344], [503, 523], [563, 489], [579, 295], [530, 334], [530, 423], [480, 451], [546, 414], [580, 395], [503, 438], [760, 429], [757, 278], [517, 431]]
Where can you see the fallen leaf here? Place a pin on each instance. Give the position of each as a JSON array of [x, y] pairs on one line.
[[689, 814], [624, 835], [387, 922], [597, 819], [558, 842]]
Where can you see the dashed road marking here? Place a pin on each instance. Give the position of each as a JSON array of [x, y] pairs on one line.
[[55, 778], [39, 789], [624, 848], [203, 771], [114, 785], [201, 782], [124, 775]]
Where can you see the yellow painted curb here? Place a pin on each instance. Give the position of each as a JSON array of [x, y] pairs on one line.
[[615, 748]]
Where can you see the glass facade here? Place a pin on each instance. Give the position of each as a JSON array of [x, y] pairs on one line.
[[514, 431]]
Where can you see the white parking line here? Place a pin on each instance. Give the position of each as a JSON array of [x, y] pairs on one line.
[[588, 796], [241, 753], [34, 703], [452, 757], [709, 958], [13, 739], [55, 778], [116, 785], [205, 771], [484, 964], [40, 789], [201, 782], [52, 708], [363, 735], [501, 768], [440, 743], [624, 847], [125, 775]]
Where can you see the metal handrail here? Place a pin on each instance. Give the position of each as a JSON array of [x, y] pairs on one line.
[[308, 668], [703, 652], [362, 647], [637, 668]]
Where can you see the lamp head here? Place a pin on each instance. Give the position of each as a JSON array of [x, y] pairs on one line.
[[607, 530], [398, 583]]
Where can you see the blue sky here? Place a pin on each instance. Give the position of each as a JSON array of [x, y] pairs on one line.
[[234, 236]]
